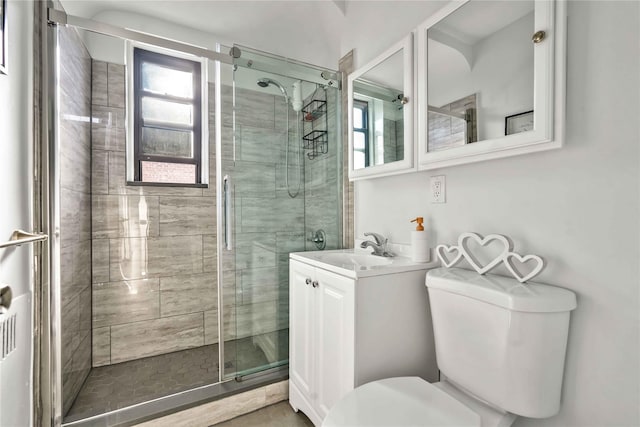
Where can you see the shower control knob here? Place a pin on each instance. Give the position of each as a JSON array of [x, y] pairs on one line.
[[308, 280], [315, 284]]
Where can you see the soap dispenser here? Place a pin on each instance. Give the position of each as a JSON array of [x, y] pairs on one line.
[[419, 243]]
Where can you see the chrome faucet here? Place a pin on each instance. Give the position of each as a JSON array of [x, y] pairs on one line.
[[379, 246]]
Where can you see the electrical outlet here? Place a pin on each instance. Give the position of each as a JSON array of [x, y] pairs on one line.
[[438, 189]]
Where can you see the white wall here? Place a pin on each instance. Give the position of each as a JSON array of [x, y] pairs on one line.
[[372, 26], [112, 49], [577, 206], [15, 202]]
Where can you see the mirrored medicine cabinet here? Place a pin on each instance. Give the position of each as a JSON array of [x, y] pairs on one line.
[[380, 113], [490, 83]]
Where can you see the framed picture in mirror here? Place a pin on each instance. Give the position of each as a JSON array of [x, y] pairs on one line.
[[516, 123]]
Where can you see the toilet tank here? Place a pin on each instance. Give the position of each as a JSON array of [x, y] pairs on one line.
[[501, 340]]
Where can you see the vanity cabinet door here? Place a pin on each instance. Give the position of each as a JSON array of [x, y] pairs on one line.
[[321, 358], [335, 338], [301, 327]]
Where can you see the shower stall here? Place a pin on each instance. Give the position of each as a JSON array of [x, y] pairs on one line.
[[166, 296]]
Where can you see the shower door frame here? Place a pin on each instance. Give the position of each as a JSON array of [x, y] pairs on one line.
[[47, 393], [47, 367]]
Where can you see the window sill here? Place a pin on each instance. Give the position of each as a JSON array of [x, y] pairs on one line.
[[164, 184]]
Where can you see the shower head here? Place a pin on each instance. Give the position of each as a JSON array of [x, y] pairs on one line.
[[265, 82]]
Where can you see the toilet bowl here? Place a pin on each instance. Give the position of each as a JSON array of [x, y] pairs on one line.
[[412, 401], [500, 347]]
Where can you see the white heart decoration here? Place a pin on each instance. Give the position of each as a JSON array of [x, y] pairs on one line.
[[508, 261], [442, 249], [484, 241]]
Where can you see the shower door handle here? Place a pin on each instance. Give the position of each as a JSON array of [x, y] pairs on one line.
[[227, 212]]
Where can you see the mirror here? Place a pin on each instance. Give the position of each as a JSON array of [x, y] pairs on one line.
[[381, 113], [377, 115], [486, 88]]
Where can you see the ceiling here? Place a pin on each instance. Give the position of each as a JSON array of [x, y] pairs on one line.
[[280, 27]]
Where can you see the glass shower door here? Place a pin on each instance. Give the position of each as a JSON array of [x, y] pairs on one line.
[[269, 171], [266, 225]]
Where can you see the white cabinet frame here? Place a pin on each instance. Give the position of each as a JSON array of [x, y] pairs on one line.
[[549, 94]]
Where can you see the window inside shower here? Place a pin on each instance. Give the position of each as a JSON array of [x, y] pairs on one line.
[[165, 292], [167, 118]]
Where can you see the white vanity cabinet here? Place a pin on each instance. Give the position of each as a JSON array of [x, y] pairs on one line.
[[321, 338], [352, 326]]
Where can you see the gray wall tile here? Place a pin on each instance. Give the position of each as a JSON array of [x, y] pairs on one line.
[[85, 310], [125, 216], [187, 216], [101, 346], [210, 251], [210, 327], [99, 172], [115, 85], [260, 318], [261, 285], [108, 128], [75, 228], [151, 337], [253, 179], [188, 294], [136, 258], [99, 83], [117, 303], [256, 144], [100, 260], [75, 155], [254, 250], [273, 215], [70, 321], [253, 108]]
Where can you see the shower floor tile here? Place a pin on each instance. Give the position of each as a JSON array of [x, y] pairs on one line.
[[112, 387]]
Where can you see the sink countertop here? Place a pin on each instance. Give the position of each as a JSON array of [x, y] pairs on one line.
[[341, 261]]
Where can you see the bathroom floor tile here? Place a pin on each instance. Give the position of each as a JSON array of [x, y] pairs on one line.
[[278, 415]]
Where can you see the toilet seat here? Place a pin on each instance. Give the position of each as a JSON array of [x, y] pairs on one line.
[[399, 402]]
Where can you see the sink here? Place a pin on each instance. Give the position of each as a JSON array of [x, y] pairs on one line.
[[361, 260], [355, 263]]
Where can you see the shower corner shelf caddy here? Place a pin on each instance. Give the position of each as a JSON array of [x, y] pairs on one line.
[[315, 129]]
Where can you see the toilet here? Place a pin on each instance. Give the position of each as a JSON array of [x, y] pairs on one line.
[[500, 347]]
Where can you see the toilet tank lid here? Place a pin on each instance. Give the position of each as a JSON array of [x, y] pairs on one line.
[[502, 291]]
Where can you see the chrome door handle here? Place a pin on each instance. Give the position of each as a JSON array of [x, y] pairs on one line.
[[6, 296], [227, 212], [315, 284], [307, 281]]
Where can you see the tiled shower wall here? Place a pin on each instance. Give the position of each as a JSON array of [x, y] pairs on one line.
[[393, 140], [75, 212], [447, 132], [323, 183], [154, 248]]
